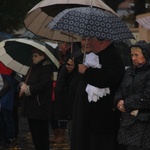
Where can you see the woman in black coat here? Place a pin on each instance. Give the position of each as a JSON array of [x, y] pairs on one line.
[[133, 100], [95, 123], [36, 95]]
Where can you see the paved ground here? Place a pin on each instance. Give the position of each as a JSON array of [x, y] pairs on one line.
[[25, 141]]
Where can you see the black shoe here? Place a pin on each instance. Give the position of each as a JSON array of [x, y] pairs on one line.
[[4, 146], [13, 144]]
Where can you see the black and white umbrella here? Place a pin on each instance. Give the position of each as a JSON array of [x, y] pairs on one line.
[[16, 53]]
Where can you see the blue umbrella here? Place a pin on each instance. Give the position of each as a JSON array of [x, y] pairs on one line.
[[91, 22]]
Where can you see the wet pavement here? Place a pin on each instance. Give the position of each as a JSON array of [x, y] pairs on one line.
[[24, 141]]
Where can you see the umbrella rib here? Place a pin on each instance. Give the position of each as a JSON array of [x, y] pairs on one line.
[[52, 34], [21, 68], [68, 35], [17, 63], [33, 19], [42, 25], [53, 58]]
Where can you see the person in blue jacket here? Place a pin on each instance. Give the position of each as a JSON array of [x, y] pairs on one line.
[[7, 131]]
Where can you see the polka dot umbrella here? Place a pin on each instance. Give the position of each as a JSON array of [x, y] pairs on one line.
[[91, 22]]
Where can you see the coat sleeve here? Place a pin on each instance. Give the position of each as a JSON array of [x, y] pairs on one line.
[[140, 100], [118, 96], [104, 77], [119, 92], [110, 74]]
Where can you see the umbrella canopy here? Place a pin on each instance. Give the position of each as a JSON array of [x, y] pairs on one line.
[[16, 54], [144, 21], [28, 34], [91, 22], [41, 14]]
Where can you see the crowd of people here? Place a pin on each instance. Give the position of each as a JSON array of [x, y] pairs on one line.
[[102, 105]]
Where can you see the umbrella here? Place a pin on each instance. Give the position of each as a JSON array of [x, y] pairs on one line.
[[16, 54], [91, 22], [40, 15], [144, 21], [28, 34]]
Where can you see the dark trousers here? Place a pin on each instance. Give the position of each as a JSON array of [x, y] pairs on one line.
[[40, 133], [63, 124], [57, 124], [6, 124], [104, 140], [54, 124], [16, 121], [136, 148]]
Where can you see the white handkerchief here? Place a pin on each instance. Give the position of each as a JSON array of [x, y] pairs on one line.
[[92, 60]]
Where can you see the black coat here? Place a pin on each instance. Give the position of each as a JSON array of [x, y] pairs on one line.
[[96, 117], [38, 105], [135, 91], [66, 89]]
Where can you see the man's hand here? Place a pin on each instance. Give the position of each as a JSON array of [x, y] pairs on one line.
[[23, 87], [70, 65], [82, 68], [120, 106]]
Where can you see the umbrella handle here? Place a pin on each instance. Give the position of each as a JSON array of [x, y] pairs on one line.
[[91, 3], [84, 55], [28, 75], [20, 93]]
